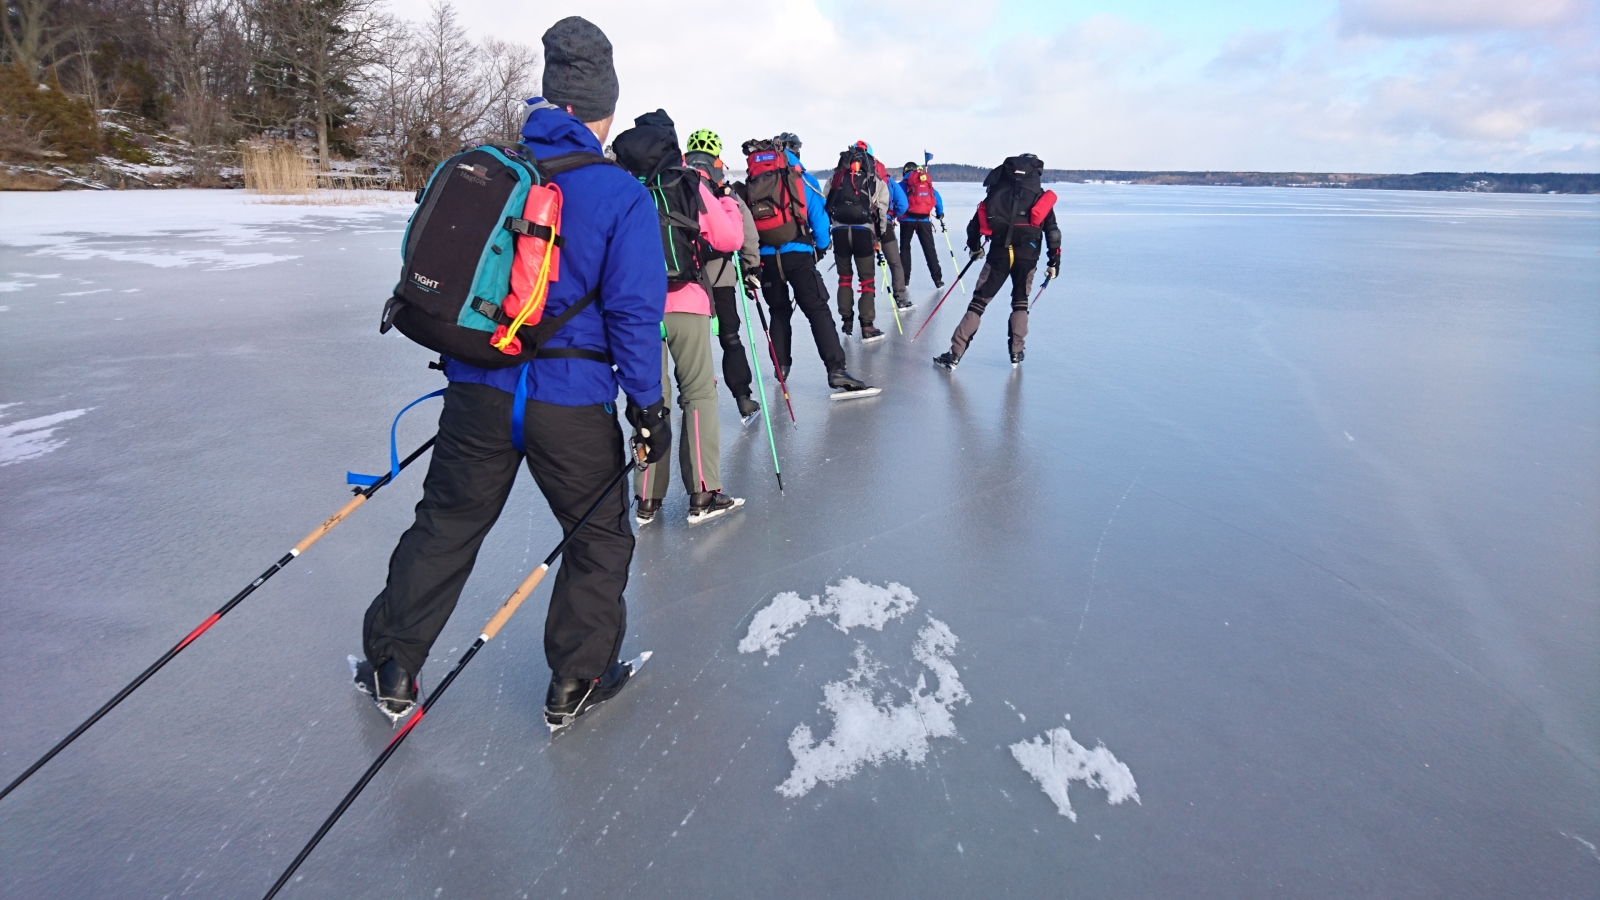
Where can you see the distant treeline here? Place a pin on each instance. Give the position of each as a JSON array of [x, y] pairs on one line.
[[1484, 182]]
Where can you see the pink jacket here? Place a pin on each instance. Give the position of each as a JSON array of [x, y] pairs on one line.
[[722, 226]]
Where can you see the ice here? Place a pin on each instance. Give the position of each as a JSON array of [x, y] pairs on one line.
[[852, 603], [31, 438], [869, 728], [1055, 760]]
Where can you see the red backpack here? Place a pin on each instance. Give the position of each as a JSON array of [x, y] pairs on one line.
[[920, 199], [776, 195]]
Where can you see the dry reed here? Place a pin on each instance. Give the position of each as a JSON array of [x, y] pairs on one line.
[[277, 168]]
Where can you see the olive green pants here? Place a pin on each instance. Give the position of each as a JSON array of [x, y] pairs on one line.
[[698, 433]]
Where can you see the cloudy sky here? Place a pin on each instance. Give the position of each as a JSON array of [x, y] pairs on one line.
[[1278, 85]]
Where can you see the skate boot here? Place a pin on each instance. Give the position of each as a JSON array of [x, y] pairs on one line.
[[947, 361], [846, 324], [870, 333], [644, 511], [747, 408], [849, 387], [1016, 358], [706, 505], [389, 686], [784, 371], [937, 284], [903, 304], [569, 698]]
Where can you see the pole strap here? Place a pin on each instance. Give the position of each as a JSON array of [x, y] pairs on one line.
[[357, 478], [519, 407]]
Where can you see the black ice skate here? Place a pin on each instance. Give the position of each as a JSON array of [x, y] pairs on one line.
[[706, 505], [784, 372], [847, 325], [747, 409], [569, 698], [1016, 359], [644, 511], [903, 304], [391, 687], [870, 333], [848, 387], [947, 361]]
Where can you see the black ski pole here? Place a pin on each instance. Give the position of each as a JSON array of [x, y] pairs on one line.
[[496, 622], [362, 494], [773, 350], [947, 292]]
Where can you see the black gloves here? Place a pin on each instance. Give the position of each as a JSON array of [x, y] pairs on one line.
[[940, 217], [1054, 268], [652, 430], [821, 254], [752, 284]]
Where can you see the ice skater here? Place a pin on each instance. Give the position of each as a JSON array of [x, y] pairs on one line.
[[570, 439], [1017, 216], [922, 200]]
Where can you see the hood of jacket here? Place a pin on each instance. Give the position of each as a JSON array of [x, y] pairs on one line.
[[552, 129], [650, 147]]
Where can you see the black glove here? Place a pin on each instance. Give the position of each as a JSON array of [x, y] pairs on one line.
[[821, 253], [975, 252], [652, 430], [1054, 268], [940, 217], [752, 284]]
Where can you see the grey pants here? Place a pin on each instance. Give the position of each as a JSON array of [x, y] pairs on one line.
[[990, 281], [891, 257], [699, 434]]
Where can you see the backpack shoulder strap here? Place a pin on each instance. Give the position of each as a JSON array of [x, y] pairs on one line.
[[546, 329], [551, 166]]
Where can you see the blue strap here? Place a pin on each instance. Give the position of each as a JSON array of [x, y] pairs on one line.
[[519, 403], [394, 453]]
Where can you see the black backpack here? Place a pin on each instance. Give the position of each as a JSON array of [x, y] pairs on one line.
[[459, 248], [854, 183], [649, 150], [1013, 188]]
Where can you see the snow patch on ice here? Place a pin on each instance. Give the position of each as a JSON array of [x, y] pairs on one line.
[[1055, 760], [7, 287], [215, 260], [31, 438], [851, 602], [868, 728]]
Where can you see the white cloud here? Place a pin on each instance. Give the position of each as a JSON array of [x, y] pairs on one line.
[[1411, 18], [1357, 92]]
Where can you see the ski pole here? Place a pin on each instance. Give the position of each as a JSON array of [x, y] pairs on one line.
[[496, 622], [362, 495], [1041, 291], [947, 292], [755, 359], [952, 250], [894, 302], [773, 350]]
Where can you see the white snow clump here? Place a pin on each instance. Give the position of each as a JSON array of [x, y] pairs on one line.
[[1055, 760], [870, 729], [30, 438], [851, 602]]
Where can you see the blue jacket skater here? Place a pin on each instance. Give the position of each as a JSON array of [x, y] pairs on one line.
[[814, 212], [614, 241]]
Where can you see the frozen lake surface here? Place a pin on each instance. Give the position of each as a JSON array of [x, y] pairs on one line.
[[1274, 572]]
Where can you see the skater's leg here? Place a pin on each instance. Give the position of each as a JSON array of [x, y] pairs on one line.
[[650, 482], [469, 478], [906, 230], [735, 366], [990, 281], [1017, 325], [929, 252], [808, 294], [775, 289], [574, 453], [699, 435], [897, 269], [842, 260]]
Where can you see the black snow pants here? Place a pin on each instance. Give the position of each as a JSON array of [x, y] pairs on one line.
[[779, 272], [735, 366], [574, 453], [854, 245], [930, 251], [990, 281]]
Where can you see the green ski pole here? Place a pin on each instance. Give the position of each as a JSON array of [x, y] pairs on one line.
[[749, 330], [952, 249], [894, 302]]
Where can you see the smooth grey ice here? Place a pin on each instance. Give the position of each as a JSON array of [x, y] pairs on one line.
[[1292, 509]]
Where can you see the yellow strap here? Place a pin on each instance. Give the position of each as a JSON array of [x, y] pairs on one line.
[[536, 297]]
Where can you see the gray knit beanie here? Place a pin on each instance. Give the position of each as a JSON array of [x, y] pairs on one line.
[[577, 69]]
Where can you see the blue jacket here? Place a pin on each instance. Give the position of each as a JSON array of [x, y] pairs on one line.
[[938, 201], [814, 213], [614, 241], [897, 199]]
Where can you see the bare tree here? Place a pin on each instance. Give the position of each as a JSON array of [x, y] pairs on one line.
[[30, 33], [317, 50]]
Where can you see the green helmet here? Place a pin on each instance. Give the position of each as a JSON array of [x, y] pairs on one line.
[[705, 141]]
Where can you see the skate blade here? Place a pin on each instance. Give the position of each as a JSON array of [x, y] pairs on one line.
[[355, 678], [748, 419], [875, 338], [855, 395], [706, 517]]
